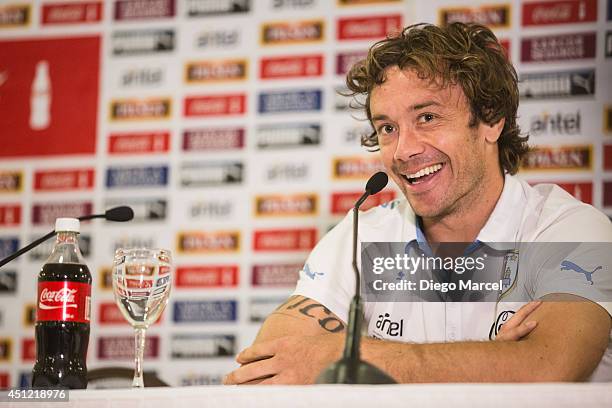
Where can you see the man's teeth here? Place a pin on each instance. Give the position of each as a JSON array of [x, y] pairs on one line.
[[425, 171]]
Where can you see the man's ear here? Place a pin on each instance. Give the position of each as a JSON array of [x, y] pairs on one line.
[[493, 132]]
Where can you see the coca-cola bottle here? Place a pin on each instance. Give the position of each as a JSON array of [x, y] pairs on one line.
[[62, 313]]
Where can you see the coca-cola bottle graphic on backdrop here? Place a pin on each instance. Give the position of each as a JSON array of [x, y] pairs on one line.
[[62, 313]]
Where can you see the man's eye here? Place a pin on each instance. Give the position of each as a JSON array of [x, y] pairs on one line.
[[386, 129], [426, 117]]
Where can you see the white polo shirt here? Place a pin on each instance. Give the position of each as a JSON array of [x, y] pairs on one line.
[[523, 214]]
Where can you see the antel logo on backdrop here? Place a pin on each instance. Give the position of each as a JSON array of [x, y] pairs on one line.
[[140, 109], [198, 242], [292, 4], [560, 158], [207, 276], [15, 15], [140, 10], [193, 379], [297, 239], [11, 181], [222, 138], [10, 215], [42, 251], [71, 13], [559, 47], [279, 172], [366, 28], [559, 84], [122, 347], [211, 173], [356, 167], [8, 245], [291, 67], [295, 32], [144, 77], [343, 202], [215, 105], [202, 345], [212, 209], [46, 213], [138, 142], [276, 274], [62, 180], [137, 176], [204, 311], [286, 205], [145, 209], [138, 42], [203, 8], [559, 123], [493, 16], [288, 135], [559, 12], [216, 70], [221, 39], [290, 101], [345, 60]]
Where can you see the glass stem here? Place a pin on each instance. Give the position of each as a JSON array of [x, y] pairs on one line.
[[138, 357]]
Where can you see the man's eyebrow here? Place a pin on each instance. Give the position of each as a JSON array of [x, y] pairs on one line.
[[415, 107]]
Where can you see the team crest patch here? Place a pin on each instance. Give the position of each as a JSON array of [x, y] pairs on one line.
[[510, 271]]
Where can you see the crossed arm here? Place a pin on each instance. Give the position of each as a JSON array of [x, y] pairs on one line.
[[302, 337]]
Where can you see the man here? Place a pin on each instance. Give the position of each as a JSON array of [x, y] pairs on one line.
[[442, 103]]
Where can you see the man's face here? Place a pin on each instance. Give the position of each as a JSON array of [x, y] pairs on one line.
[[427, 147]]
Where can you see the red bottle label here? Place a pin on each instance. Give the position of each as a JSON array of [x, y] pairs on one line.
[[64, 301]]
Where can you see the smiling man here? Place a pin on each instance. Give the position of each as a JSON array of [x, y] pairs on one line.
[[442, 103]]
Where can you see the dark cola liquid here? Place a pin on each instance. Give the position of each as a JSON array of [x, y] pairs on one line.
[[61, 347]]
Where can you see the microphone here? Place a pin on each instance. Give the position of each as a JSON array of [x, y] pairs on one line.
[[117, 214], [350, 369]]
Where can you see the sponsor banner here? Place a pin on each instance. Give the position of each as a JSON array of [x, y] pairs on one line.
[[607, 128], [368, 28], [215, 105], [205, 311], [560, 47], [11, 181], [276, 275], [607, 193], [293, 205], [221, 138], [287, 172], [5, 380], [297, 239], [343, 202], [540, 13], [106, 278], [214, 242], [207, 174], [222, 38], [142, 77], [216, 70], [122, 347], [145, 209], [71, 13], [356, 167], [345, 60], [607, 159], [29, 315], [8, 281], [46, 213], [8, 245], [139, 142], [493, 16], [299, 66], [139, 42], [28, 350], [292, 4], [294, 32], [109, 314], [260, 308], [10, 215], [193, 379], [140, 109], [200, 345], [204, 8], [5, 349], [143, 10], [62, 180], [559, 84], [287, 135], [138, 176], [212, 209], [555, 124], [559, 158], [15, 15], [290, 101], [42, 251], [206, 276], [581, 191], [134, 242], [608, 44]]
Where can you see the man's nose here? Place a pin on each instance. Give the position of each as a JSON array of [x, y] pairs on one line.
[[409, 144]]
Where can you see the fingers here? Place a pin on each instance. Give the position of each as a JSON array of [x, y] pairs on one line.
[[256, 352], [519, 317], [250, 373], [516, 333]]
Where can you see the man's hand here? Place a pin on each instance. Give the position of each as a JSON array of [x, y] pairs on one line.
[[517, 327]]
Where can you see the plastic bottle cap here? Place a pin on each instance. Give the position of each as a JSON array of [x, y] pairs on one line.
[[67, 224]]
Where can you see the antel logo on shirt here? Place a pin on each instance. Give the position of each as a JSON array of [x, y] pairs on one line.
[[198, 242], [216, 71], [557, 84], [28, 350], [61, 180], [71, 13], [389, 328], [221, 138], [214, 105], [200, 311], [578, 157], [11, 181], [366, 28], [286, 205], [298, 239], [46, 213], [203, 8], [207, 276], [493, 16], [356, 167], [299, 66], [559, 12], [140, 109], [294, 32], [139, 142], [139, 42], [559, 47], [15, 15], [10, 215], [342, 202], [122, 347], [142, 10], [276, 274]]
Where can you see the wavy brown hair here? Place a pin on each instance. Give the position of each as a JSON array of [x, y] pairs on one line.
[[465, 54]]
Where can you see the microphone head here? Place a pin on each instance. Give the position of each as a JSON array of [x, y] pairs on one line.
[[377, 182], [119, 214]]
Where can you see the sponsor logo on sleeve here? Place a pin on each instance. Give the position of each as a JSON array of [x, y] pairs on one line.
[[260, 308], [202, 345], [204, 311], [220, 138], [46, 213], [216, 70], [212, 209], [559, 12], [203, 8], [288, 135], [11, 181], [218, 38], [297, 239], [577, 157], [10, 215], [290, 101], [286, 205], [8, 281], [608, 44], [544, 85], [42, 251], [343, 202], [15, 15], [276, 275], [345, 60], [8, 245], [559, 47], [294, 32], [607, 159], [29, 315], [607, 193], [299, 66], [137, 176], [140, 109], [607, 115], [367, 28], [28, 350], [138, 9], [215, 105], [139, 142], [5, 380], [71, 13], [214, 242], [493, 16], [122, 347], [5, 349], [355, 167], [280, 172], [145, 77], [207, 276], [139, 42], [145, 209], [62, 180], [206, 174], [555, 124]]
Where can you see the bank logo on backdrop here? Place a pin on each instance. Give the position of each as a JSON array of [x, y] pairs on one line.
[[559, 47], [220, 138], [355, 167], [298, 66], [122, 347], [276, 274], [346, 59], [11, 181], [293, 239], [143, 10], [555, 123], [368, 28], [71, 13], [541, 13], [63, 180], [46, 213], [8, 245], [204, 311], [15, 15], [215, 105], [145, 209], [140, 42], [10, 215], [202, 345], [139, 142], [559, 158], [140, 109], [216, 71], [49, 96], [210, 242], [211, 173], [559, 84], [287, 135], [204, 8], [290, 101], [493, 16], [292, 205], [136, 176], [207, 276], [292, 32]]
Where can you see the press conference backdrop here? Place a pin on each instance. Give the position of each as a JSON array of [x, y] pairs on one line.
[[219, 122]]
